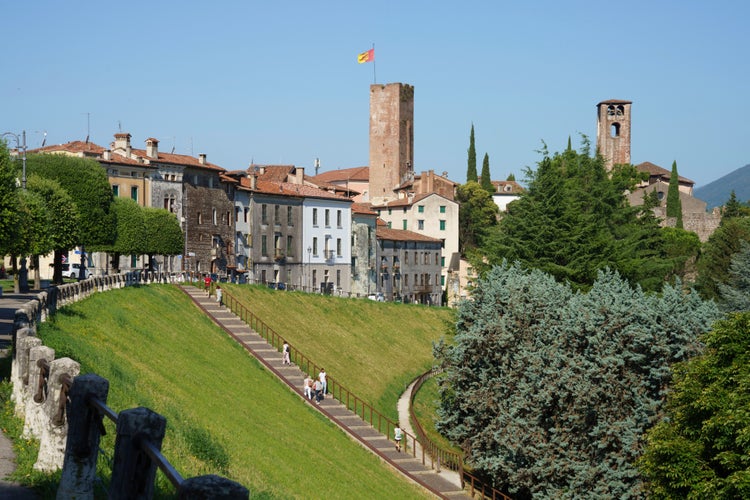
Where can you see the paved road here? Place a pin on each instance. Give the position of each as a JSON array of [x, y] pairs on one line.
[[8, 490]]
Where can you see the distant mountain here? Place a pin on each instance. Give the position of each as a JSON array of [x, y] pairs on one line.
[[716, 193]]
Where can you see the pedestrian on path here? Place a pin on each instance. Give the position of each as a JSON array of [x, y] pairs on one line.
[[318, 391], [398, 435], [322, 377], [218, 294], [207, 283], [308, 387], [285, 354]]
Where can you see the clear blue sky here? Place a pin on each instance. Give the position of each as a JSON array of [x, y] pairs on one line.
[[278, 82]]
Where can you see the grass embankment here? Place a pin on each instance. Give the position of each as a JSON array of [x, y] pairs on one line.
[[426, 403], [225, 413], [374, 349]]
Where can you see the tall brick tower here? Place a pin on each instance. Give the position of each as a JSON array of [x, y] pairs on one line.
[[613, 131], [391, 139]]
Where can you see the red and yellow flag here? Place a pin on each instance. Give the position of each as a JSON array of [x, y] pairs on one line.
[[366, 56]]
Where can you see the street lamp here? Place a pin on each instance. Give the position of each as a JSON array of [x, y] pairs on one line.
[[20, 144]]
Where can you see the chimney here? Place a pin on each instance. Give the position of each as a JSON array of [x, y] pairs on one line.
[[299, 177], [152, 148], [107, 155], [122, 141], [202, 158], [253, 182]]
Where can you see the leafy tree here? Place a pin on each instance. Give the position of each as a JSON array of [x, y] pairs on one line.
[[682, 248], [511, 177], [34, 234], [9, 214], [486, 176], [86, 183], [477, 213], [549, 390], [471, 171], [61, 225], [574, 220], [735, 293], [732, 208], [716, 255], [674, 204], [163, 234], [131, 233], [701, 449]]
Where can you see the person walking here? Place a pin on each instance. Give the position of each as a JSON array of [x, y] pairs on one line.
[[398, 435], [285, 360], [308, 387], [218, 294], [322, 377], [207, 283], [318, 386]]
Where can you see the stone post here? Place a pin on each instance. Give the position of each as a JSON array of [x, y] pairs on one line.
[[34, 419], [84, 433], [133, 472], [20, 368], [53, 435], [211, 487]]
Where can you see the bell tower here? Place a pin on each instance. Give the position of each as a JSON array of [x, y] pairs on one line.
[[391, 139], [613, 131]]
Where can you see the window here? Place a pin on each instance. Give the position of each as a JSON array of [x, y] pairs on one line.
[[116, 190], [314, 277], [315, 247], [406, 257], [276, 215], [420, 224], [442, 209], [289, 216], [404, 222], [213, 216], [390, 211], [247, 210], [289, 248], [200, 218], [328, 218], [237, 213], [338, 278], [264, 214], [338, 218], [442, 225], [169, 203], [264, 245], [404, 209], [263, 276], [228, 215], [420, 209], [437, 258], [134, 193], [406, 280], [315, 217], [389, 224], [338, 247], [442, 261], [442, 280]]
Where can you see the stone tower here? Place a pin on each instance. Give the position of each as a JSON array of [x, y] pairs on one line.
[[391, 139], [613, 131]]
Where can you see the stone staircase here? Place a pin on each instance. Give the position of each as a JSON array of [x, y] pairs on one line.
[[442, 485]]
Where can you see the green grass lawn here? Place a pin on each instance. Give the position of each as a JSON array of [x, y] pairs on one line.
[[374, 349], [227, 415], [426, 403]]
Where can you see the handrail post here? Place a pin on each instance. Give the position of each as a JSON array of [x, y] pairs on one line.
[[132, 472], [84, 431]]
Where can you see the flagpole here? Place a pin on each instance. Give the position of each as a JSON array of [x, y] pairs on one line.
[[374, 78]]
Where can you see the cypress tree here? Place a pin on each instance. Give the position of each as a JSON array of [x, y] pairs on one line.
[[674, 205], [486, 177], [471, 171]]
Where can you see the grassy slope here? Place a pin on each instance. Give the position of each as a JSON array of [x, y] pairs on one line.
[[224, 411], [225, 414], [375, 349]]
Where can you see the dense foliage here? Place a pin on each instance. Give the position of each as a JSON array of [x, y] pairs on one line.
[[735, 293], [163, 233], [549, 390], [477, 214], [9, 215], [486, 180], [701, 449], [574, 220], [674, 204], [471, 168], [716, 255]]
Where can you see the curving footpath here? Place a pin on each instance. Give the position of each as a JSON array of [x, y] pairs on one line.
[[440, 484], [10, 490]]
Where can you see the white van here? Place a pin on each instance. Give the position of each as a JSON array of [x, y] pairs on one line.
[[73, 270]]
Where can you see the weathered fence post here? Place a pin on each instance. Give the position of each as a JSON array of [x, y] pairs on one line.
[[36, 392], [20, 369], [211, 487], [55, 429], [84, 431], [133, 472]]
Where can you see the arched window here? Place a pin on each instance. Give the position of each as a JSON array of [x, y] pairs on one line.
[[615, 130]]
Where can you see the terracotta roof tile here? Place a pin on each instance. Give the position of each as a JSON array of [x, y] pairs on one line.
[[359, 174], [383, 233], [363, 208], [657, 171]]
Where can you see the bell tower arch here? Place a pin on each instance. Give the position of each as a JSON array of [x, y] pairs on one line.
[[613, 131]]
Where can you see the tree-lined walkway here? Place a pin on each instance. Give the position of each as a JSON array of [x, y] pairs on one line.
[[411, 467]]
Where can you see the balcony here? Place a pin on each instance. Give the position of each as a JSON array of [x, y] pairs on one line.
[[279, 255], [328, 254]]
